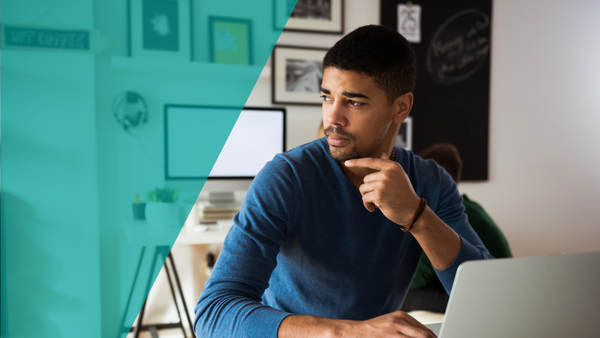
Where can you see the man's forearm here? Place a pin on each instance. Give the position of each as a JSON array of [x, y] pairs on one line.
[[440, 242], [299, 326]]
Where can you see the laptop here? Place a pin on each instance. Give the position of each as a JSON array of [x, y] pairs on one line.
[[550, 296]]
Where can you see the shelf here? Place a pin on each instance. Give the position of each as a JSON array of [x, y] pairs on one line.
[[129, 65]]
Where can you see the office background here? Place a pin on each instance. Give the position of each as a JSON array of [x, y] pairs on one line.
[[543, 182], [71, 172], [544, 120]]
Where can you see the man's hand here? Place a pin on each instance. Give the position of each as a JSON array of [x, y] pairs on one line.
[[388, 189], [392, 325], [395, 324]]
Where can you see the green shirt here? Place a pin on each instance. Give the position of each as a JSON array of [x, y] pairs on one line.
[[486, 229]]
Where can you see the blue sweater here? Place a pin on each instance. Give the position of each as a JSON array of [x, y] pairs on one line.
[[303, 243]]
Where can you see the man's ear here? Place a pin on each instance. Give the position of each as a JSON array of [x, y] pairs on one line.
[[402, 106]]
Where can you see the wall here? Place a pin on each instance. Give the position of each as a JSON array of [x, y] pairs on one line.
[[544, 149], [51, 284]]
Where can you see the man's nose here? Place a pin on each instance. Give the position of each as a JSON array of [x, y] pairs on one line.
[[337, 114]]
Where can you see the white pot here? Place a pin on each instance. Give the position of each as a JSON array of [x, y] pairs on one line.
[[164, 214]]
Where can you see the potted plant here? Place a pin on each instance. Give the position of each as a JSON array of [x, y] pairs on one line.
[[161, 209]]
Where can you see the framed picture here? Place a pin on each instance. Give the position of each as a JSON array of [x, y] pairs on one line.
[[160, 29], [230, 40], [313, 16], [404, 137], [297, 75]]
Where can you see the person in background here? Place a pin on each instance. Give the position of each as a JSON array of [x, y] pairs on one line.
[[426, 291]]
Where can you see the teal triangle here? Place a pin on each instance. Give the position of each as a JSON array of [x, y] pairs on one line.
[[82, 133]]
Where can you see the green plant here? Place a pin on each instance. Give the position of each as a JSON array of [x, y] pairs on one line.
[[163, 195]]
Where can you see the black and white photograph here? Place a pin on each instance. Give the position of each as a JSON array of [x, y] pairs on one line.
[[303, 76], [297, 75], [404, 137], [312, 9], [160, 29], [313, 16]]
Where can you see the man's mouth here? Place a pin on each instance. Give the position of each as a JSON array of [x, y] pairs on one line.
[[336, 140]]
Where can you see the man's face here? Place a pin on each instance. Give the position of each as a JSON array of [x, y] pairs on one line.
[[357, 116]]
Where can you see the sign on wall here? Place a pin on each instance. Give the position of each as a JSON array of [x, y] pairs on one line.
[[40, 38], [409, 22]]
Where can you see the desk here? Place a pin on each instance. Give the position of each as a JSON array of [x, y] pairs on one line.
[[190, 236], [141, 233]]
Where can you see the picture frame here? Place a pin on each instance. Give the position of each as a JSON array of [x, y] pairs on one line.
[[230, 40], [405, 134], [297, 73], [309, 16], [160, 29]]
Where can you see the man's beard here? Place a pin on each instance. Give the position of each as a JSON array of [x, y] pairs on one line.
[[336, 153]]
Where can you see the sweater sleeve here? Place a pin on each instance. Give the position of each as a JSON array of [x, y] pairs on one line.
[[451, 210], [489, 233], [230, 304]]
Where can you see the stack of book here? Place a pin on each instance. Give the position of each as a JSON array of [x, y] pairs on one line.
[[214, 212]]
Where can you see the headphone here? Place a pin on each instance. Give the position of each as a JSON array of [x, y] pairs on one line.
[[128, 120]]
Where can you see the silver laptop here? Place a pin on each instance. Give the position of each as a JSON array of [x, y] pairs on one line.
[[550, 296]]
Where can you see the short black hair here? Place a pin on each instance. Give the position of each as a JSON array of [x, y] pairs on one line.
[[446, 156], [379, 52]]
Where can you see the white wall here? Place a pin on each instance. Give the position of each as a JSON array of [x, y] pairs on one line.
[[543, 189], [49, 187], [544, 147]]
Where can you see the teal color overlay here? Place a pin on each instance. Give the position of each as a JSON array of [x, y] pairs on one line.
[[82, 133], [230, 40]]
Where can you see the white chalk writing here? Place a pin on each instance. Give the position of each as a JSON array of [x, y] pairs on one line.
[[459, 46]]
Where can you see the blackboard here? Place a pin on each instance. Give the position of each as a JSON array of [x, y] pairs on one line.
[[453, 76]]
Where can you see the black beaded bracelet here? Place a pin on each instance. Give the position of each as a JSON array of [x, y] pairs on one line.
[[418, 214]]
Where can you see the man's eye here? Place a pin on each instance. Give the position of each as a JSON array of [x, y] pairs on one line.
[[355, 103], [325, 98]]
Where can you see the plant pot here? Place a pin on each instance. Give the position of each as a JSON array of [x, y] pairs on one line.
[[139, 211], [163, 214]]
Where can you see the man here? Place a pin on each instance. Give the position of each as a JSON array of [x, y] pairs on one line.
[[319, 248], [426, 291]]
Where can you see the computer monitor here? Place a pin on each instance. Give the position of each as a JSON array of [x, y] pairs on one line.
[[257, 136]]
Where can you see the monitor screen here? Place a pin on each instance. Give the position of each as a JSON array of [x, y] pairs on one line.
[[257, 136]]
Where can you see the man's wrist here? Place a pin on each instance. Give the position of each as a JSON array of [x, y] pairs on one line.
[[421, 206], [423, 222], [439, 242], [312, 326]]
